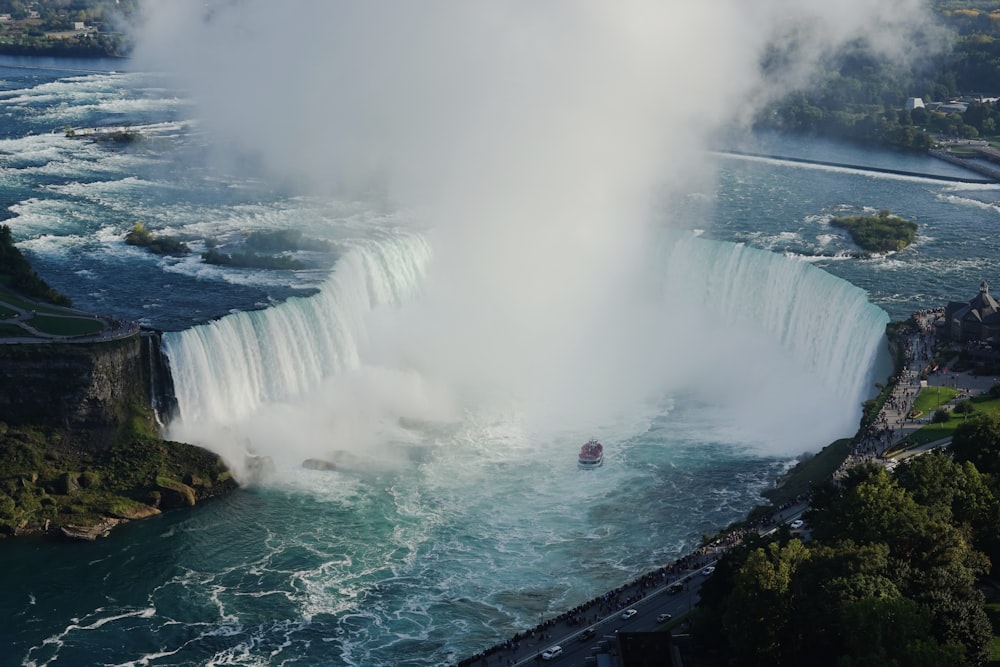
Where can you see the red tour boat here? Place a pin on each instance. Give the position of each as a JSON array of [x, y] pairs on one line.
[[591, 454]]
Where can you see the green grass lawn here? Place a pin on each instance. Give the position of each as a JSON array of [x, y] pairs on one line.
[[11, 299], [930, 398], [813, 470], [12, 331], [932, 432], [66, 326]]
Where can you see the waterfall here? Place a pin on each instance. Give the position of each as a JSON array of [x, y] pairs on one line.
[[825, 324], [225, 369], [749, 314]]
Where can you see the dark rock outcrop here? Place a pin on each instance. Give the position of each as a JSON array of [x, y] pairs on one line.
[[80, 450], [83, 389]]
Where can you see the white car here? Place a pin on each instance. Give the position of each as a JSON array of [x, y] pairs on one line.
[[663, 618], [629, 614], [552, 653], [798, 523], [708, 570]]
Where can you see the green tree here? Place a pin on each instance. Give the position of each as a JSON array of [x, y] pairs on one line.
[[978, 441], [826, 584], [934, 480], [893, 632], [758, 616], [956, 609]]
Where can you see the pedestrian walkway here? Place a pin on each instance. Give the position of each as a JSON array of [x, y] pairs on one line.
[[896, 421], [22, 323]]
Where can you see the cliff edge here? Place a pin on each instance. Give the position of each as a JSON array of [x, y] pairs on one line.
[[80, 450], [79, 444]]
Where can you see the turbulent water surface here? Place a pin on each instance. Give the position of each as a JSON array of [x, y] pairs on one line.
[[457, 518]]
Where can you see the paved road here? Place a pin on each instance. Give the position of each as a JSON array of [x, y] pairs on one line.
[[656, 601]]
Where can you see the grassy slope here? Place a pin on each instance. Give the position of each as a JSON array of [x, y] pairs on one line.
[[46, 481]]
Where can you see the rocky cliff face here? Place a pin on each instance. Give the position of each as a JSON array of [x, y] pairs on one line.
[[86, 389], [79, 446]]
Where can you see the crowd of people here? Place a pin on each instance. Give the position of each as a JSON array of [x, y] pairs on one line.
[[889, 425], [612, 603]]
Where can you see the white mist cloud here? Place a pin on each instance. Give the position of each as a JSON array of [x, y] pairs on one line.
[[530, 135]]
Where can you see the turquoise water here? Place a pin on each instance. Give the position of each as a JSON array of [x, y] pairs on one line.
[[459, 518]]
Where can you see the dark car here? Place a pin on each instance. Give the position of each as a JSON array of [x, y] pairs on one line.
[[675, 588], [588, 634]]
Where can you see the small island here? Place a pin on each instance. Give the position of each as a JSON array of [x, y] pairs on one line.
[[882, 232], [251, 260], [260, 248], [157, 244]]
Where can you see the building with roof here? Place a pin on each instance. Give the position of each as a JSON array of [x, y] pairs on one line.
[[977, 320]]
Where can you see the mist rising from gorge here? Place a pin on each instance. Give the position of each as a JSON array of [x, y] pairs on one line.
[[532, 141]]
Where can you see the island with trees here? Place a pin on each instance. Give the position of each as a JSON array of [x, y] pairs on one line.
[[158, 244], [879, 233]]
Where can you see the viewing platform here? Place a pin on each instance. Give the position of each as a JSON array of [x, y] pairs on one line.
[[26, 321]]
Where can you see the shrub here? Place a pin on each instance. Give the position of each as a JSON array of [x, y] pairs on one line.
[[940, 416], [965, 407], [90, 479]]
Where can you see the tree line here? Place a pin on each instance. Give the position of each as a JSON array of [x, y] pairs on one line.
[[34, 27], [860, 97], [16, 273], [889, 576]]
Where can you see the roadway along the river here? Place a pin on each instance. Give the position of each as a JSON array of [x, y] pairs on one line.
[[576, 651]]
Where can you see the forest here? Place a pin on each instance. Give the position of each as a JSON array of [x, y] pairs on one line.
[[72, 28], [890, 573], [862, 98]]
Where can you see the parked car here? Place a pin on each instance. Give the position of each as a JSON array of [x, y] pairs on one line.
[[663, 618], [552, 653], [629, 613]]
